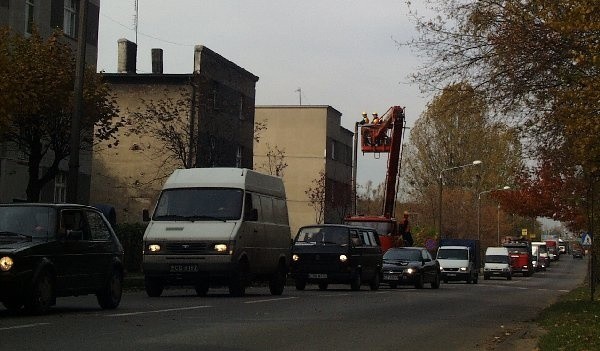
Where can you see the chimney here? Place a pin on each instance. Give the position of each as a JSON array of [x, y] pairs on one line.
[[127, 56], [157, 61]]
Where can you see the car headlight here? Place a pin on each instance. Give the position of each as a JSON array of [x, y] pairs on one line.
[[220, 247], [343, 258], [410, 271], [295, 258], [154, 248], [441, 268], [6, 263], [463, 269]]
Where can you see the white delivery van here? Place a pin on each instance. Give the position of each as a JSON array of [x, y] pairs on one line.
[[217, 226], [497, 263]]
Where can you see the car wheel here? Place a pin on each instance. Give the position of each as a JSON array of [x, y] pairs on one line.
[[419, 283], [237, 282], [323, 286], [202, 287], [393, 285], [356, 281], [154, 287], [435, 284], [300, 284], [476, 279], [374, 285], [277, 282], [42, 294], [110, 295], [13, 305]]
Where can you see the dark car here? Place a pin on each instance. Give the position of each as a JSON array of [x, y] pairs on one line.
[[54, 250], [410, 266], [343, 254], [577, 253]]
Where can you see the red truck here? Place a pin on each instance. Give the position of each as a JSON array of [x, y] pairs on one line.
[[552, 245], [385, 137], [520, 257]]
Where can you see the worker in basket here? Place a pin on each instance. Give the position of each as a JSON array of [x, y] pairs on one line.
[[365, 119]]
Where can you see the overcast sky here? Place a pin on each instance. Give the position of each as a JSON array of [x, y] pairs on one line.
[[339, 53]]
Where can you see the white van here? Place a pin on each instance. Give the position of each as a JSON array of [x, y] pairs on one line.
[[217, 226], [497, 263]]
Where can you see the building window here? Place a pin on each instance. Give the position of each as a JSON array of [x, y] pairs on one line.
[[70, 18], [60, 188], [333, 149], [242, 108], [29, 19], [238, 157]]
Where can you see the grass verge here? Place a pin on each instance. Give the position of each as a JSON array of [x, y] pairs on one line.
[[573, 323]]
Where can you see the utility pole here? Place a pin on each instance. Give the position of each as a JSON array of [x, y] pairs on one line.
[[73, 175]]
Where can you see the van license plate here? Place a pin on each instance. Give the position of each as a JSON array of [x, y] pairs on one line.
[[184, 268], [317, 276], [390, 277]]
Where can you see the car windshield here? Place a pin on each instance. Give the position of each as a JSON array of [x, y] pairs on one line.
[[28, 221], [453, 254], [496, 259], [517, 250], [322, 235], [198, 204], [402, 255]]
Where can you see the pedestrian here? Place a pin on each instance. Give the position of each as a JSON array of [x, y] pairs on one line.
[[375, 118], [365, 119]]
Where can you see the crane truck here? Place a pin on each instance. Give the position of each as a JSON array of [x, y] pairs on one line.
[[384, 137]]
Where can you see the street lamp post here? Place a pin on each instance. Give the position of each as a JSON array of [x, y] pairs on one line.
[[479, 209], [441, 183]]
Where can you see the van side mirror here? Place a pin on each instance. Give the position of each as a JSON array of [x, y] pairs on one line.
[[145, 215], [251, 215]]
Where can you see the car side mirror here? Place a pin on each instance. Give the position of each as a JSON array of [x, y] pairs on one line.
[[145, 215]]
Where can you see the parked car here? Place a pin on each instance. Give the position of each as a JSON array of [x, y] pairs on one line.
[[410, 266], [577, 253], [54, 250], [332, 253]]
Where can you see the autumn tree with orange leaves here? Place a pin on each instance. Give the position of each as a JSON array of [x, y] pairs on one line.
[[36, 98]]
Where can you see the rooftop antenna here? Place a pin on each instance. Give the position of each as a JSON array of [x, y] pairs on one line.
[[299, 91], [135, 19]]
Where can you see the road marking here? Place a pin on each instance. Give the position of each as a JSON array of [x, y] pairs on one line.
[[24, 326], [270, 300], [333, 295], [156, 311]]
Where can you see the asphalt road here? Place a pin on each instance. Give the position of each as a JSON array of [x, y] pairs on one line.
[[457, 316]]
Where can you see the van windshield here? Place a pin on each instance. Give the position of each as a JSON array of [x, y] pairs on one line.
[[453, 254], [322, 235], [496, 258], [199, 204]]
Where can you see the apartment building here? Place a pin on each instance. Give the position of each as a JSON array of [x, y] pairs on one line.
[[312, 141], [20, 16], [215, 103]]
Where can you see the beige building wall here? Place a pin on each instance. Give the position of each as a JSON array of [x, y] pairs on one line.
[[307, 135], [130, 176]]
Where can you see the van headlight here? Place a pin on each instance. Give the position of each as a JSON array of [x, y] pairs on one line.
[[410, 271], [295, 258], [463, 269], [154, 247], [220, 247], [343, 258], [6, 263]]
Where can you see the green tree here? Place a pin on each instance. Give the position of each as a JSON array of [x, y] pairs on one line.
[[536, 60], [36, 99], [456, 130]]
